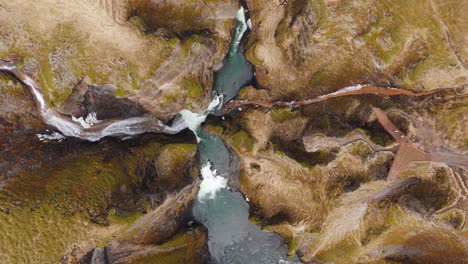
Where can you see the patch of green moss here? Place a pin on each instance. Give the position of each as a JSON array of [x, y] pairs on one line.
[[149, 149], [214, 129], [184, 247], [138, 23], [177, 255], [63, 187], [8, 85], [123, 222], [452, 117], [280, 114], [193, 87], [254, 219], [250, 55], [46, 81], [293, 245], [178, 239], [241, 141], [40, 236], [342, 250], [120, 92], [174, 41], [360, 149], [320, 10], [44, 234], [454, 217]]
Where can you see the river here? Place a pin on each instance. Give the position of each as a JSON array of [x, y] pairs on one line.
[[219, 206]]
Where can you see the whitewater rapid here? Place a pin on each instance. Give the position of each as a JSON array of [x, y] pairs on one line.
[[211, 183], [194, 120]]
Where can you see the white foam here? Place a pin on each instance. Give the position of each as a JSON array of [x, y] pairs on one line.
[[215, 103], [7, 67], [87, 122], [178, 125], [194, 120], [56, 136], [240, 18], [39, 97], [129, 126], [211, 183]]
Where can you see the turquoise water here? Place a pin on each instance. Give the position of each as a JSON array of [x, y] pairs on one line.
[[219, 206], [236, 71], [232, 238]]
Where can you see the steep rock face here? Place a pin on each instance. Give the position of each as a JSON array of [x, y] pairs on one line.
[[155, 228], [187, 17], [17, 109], [87, 99], [62, 42], [305, 48]]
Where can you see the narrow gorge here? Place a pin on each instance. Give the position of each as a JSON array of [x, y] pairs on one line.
[[226, 132]]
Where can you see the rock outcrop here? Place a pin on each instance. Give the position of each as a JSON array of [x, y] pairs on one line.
[[107, 42], [317, 175], [306, 48]]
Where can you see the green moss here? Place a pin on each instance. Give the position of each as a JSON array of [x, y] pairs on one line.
[[280, 114], [44, 235], [9, 86], [454, 217], [177, 255], [169, 97], [360, 149], [178, 239], [46, 81], [73, 184], [174, 41], [193, 86], [241, 141], [183, 248], [51, 208], [145, 152], [320, 10], [254, 219], [137, 23], [452, 118], [124, 222], [120, 92], [250, 55], [342, 250], [293, 245], [38, 237], [214, 129]]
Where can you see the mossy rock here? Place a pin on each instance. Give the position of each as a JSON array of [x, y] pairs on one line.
[[188, 246], [171, 165]]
